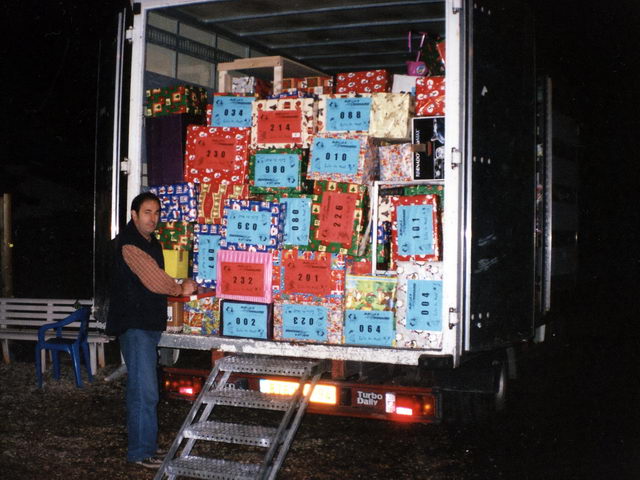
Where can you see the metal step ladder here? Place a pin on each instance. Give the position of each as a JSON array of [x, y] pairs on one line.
[[201, 425]]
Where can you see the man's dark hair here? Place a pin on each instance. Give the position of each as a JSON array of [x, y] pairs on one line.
[[137, 202]]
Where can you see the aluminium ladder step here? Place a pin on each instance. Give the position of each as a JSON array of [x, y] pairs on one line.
[[266, 366], [247, 399], [212, 468], [231, 433]]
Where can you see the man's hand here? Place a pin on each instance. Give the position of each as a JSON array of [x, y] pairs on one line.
[[188, 287]]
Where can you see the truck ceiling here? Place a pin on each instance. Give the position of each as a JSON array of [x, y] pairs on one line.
[[331, 36]]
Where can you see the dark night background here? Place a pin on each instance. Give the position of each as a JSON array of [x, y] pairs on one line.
[[589, 48]]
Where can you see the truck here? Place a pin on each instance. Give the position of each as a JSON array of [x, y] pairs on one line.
[[501, 214]]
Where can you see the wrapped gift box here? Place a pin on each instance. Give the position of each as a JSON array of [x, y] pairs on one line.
[[309, 276], [369, 310], [277, 170], [177, 201], [244, 276], [404, 84], [246, 319], [342, 157], [428, 160], [176, 263], [368, 81], [175, 235], [391, 115], [211, 197], [430, 93], [201, 314], [251, 85], [283, 123], [419, 305], [166, 141], [297, 222], [347, 112], [205, 251], [217, 155], [396, 162], [230, 111], [176, 99], [338, 217], [252, 225], [437, 190], [307, 321], [415, 228]]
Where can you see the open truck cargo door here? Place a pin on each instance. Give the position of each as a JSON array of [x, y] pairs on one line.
[[111, 151], [499, 191]]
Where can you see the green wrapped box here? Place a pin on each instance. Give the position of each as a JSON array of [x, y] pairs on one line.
[[176, 99]]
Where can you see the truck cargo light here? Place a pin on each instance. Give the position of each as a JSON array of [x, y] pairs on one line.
[[186, 390], [321, 393], [404, 411]]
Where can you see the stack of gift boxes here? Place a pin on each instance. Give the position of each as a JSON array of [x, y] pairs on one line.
[[270, 211]]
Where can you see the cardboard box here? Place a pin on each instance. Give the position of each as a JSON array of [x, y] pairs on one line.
[[252, 225], [217, 155], [342, 157], [419, 306], [283, 123], [177, 201], [428, 160], [175, 315]]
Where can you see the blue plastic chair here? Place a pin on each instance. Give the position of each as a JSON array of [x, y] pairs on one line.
[[70, 345]]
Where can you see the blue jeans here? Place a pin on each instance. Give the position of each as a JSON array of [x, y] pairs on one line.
[[140, 355]]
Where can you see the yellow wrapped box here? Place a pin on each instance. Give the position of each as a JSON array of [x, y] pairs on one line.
[[176, 263], [391, 115]]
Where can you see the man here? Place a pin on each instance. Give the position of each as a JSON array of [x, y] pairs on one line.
[[138, 315]]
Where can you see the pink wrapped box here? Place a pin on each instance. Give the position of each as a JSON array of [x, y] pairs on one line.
[[342, 157], [244, 276], [217, 155], [430, 96], [283, 123], [368, 81]]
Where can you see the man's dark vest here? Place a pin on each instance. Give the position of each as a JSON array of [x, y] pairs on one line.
[[131, 304]]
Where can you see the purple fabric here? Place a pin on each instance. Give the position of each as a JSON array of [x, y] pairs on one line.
[[166, 138]]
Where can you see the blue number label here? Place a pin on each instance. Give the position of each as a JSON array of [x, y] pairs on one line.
[[304, 322], [424, 305], [344, 114], [297, 220], [208, 246], [415, 229], [369, 327], [231, 111], [277, 170], [244, 320], [248, 227], [335, 155]]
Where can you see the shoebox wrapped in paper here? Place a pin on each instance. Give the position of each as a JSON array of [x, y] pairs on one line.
[[415, 228], [419, 305], [251, 86], [396, 162], [246, 319], [342, 157], [230, 110], [177, 201], [217, 155], [391, 115], [369, 310], [176, 263], [283, 123], [308, 321], [175, 235], [252, 225], [176, 99], [430, 93], [404, 84], [201, 314], [205, 251], [339, 217], [244, 276], [368, 81], [277, 170], [297, 221], [211, 197]]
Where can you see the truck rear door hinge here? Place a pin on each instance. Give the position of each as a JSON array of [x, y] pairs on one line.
[[456, 6], [124, 166], [456, 157], [454, 318], [128, 34]]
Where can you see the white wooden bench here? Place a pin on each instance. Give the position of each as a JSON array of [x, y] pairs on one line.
[[20, 319]]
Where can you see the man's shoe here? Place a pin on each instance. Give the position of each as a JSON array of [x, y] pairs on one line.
[[151, 462]]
